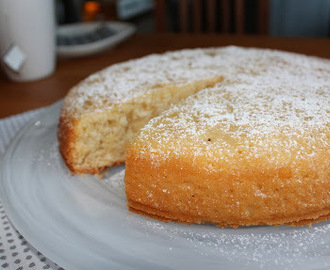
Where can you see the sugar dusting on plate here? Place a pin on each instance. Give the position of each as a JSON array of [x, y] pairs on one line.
[[263, 247]]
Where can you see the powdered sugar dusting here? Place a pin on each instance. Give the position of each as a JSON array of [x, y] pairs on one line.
[[126, 81], [251, 247]]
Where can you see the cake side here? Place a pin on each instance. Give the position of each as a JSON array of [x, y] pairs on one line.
[[240, 196], [231, 181]]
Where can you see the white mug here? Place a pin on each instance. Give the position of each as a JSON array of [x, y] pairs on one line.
[[27, 38]]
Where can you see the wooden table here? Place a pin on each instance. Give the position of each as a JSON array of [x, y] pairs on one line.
[[19, 97]]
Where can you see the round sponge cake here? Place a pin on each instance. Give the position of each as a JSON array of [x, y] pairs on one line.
[[245, 143]]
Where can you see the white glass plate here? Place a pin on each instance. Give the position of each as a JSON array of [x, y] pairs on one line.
[[83, 222]]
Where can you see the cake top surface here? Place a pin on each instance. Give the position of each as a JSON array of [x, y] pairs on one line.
[[256, 118], [125, 81]]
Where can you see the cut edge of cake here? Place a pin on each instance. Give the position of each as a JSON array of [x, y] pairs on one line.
[[89, 143]]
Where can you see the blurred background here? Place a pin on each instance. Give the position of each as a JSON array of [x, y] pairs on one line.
[[291, 18]]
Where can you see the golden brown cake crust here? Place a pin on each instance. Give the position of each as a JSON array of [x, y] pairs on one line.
[[179, 191], [159, 215], [65, 136]]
